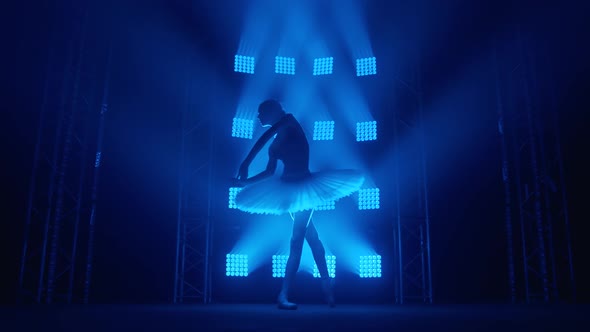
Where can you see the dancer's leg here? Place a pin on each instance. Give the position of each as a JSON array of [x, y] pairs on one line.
[[317, 249], [300, 221], [319, 255]]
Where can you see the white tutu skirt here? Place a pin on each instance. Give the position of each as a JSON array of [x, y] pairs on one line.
[[278, 196]]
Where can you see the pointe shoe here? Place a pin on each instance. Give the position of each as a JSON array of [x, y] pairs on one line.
[[284, 304], [328, 288]]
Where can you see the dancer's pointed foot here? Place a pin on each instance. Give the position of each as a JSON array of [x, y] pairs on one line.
[[284, 304], [328, 288]]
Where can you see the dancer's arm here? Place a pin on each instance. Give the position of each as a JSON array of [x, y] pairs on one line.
[[269, 171], [261, 142]]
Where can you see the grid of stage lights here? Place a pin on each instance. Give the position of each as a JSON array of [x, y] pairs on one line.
[[366, 131], [366, 66], [242, 128], [331, 261], [323, 130], [233, 192], [285, 65], [370, 266], [369, 199], [326, 206], [244, 64], [323, 66], [236, 265], [279, 264]]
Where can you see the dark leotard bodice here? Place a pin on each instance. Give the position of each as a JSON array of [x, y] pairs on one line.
[[291, 147]]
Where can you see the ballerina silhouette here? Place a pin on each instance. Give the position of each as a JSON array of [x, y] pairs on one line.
[[297, 192]]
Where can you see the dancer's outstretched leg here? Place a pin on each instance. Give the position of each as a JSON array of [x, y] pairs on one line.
[[319, 255], [300, 221]]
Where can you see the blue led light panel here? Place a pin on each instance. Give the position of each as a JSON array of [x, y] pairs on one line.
[[370, 266], [323, 130], [242, 128], [326, 206], [244, 64], [236, 265], [369, 199], [366, 131], [331, 261], [285, 65], [323, 66], [366, 66], [233, 192], [279, 264]]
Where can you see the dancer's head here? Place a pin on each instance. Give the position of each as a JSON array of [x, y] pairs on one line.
[[270, 112]]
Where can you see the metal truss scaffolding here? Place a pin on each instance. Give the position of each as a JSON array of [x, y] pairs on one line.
[[192, 281], [56, 261], [412, 218], [540, 267]]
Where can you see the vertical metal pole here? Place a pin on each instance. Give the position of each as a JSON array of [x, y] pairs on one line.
[[536, 176], [179, 210], [58, 216], [208, 244], [209, 225], [424, 184], [33, 183], [183, 260], [81, 186], [397, 226], [505, 180], [82, 157], [425, 297], [519, 189], [181, 179], [97, 163], [53, 173], [539, 124]]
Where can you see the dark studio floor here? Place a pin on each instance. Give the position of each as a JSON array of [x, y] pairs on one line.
[[224, 317]]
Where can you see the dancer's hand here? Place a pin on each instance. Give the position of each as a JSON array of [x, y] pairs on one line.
[[243, 172]]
